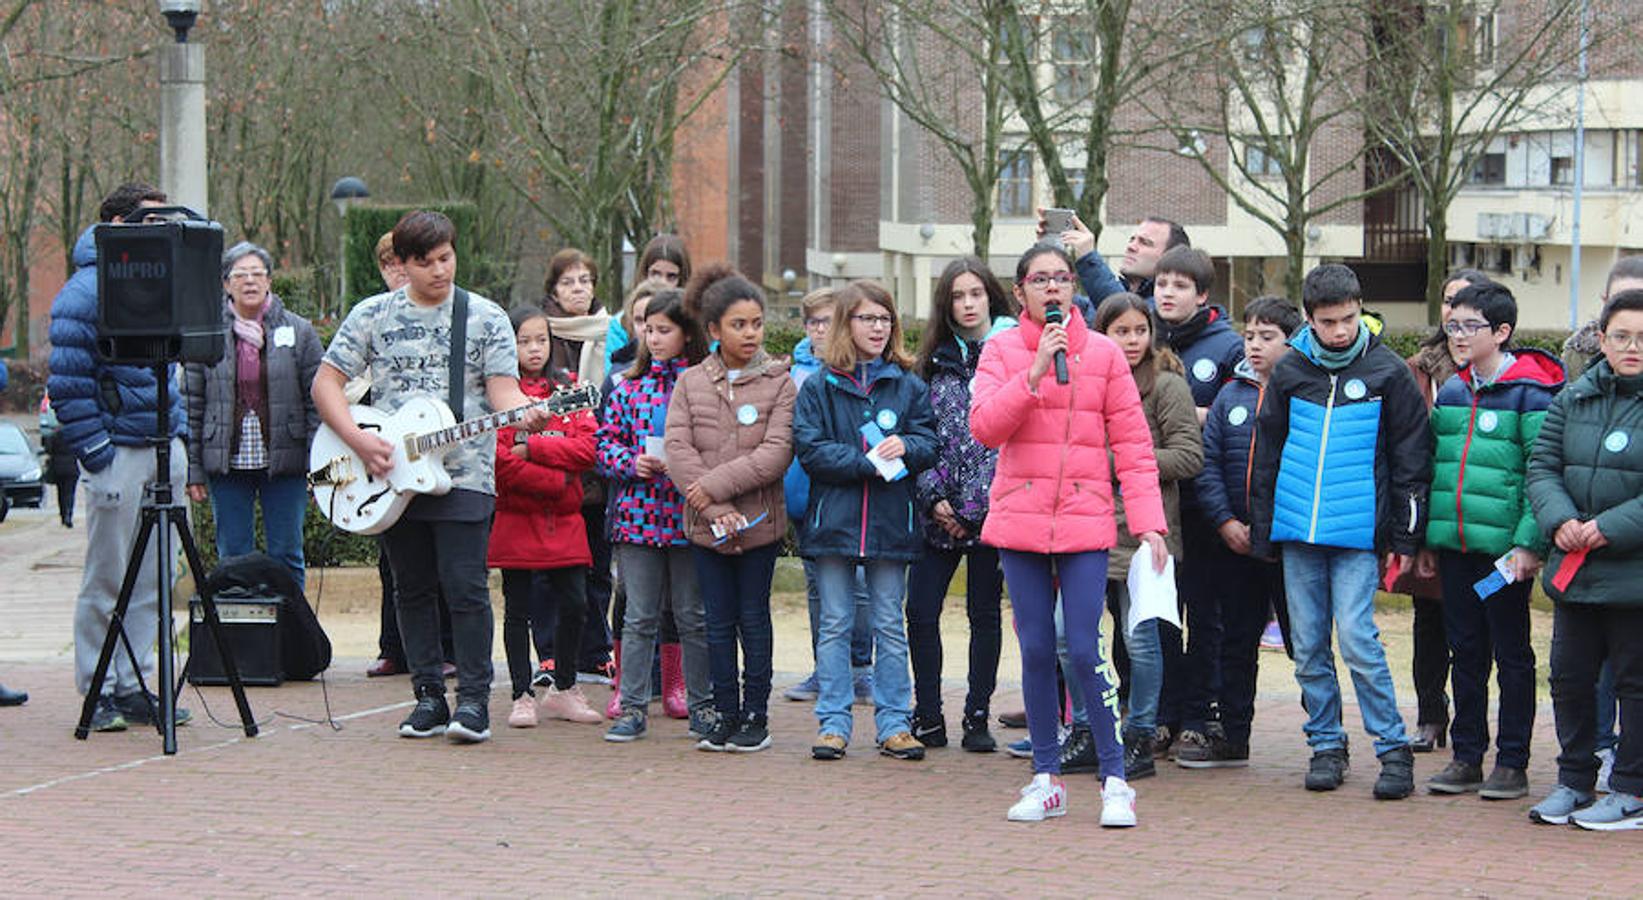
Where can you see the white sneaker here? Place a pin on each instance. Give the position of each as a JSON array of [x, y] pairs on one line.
[[1117, 804], [1043, 797], [1606, 765]]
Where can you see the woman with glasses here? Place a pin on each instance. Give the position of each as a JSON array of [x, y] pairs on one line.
[[664, 261], [863, 429], [1585, 481], [250, 417], [1059, 403]]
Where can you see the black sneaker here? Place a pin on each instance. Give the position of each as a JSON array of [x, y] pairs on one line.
[[717, 738], [1210, 750], [1078, 752], [471, 724], [1138, 761], [977, 739], [752, 736], [1397, 779], [1456, 778], [1327, 769], [931, 731], [106, 716], [142, 707], [1505, 783], [428, 719]]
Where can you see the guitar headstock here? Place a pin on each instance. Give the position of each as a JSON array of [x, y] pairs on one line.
[[573, 398]]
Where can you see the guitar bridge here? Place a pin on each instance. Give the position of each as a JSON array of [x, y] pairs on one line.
[[337, 472]]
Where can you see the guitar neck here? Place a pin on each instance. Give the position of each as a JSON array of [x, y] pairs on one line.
[[558, 404]]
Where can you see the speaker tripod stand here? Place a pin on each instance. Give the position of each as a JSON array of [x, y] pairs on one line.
[[161, 512]]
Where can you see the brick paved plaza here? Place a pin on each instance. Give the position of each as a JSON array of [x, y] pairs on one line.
[[305, 809]]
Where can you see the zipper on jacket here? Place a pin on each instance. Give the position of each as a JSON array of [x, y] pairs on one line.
[[1460, 479], [1254, 430], [1061, 464], [1323, 450]]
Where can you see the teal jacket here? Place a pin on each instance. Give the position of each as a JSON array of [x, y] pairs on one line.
[[1483, 437], [1588, 465]]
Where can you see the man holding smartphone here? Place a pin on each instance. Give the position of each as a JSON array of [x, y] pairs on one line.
[[1147, 243]]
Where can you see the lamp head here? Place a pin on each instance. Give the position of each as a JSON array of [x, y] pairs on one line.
[[180, 15]]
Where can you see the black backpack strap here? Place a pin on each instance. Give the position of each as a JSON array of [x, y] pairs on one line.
[[459, 351]]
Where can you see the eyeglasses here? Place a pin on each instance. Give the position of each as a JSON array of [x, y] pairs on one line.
[[1458, 327], [1621, 340], [1043, 279], [248, 275], [818, 321], [874, 321]]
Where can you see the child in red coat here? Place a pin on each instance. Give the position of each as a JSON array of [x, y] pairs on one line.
[[539, 540]]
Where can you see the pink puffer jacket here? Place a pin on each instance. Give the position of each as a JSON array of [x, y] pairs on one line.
[[1052, 492]]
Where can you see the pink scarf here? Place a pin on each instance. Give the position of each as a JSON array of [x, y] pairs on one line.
[[248, 357]]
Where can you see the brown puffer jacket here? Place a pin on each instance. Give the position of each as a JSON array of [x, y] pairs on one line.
[[736, 440]]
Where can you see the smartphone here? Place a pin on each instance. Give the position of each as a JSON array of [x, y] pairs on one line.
[[1057, 220]]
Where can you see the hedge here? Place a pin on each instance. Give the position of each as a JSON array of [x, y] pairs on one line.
[[322, 544], [365, 224]]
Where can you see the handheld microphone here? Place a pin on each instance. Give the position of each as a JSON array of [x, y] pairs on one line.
[[1053, 316]]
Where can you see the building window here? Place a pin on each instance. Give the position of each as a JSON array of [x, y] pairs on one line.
[[1563, 170], [1073, 57], [1475, 37], [1259, 162], [1489, 168], [1015, 185]]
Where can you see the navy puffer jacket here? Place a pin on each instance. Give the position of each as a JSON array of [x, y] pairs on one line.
[[99, 406], [852, 512]]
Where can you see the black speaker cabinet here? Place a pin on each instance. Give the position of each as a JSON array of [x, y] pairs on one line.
[[159, 292], [251, 627]]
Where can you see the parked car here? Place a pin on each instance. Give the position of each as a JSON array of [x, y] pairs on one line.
[[20, 475]]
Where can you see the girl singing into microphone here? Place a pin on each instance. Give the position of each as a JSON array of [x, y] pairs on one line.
[[1051, 509]]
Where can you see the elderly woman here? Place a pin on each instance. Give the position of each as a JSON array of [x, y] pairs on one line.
[[250, 417]]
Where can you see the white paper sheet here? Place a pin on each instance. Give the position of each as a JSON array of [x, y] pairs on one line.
[[1152, 593]]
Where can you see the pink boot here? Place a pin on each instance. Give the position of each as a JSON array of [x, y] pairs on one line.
[[613, 709], [674, 704]]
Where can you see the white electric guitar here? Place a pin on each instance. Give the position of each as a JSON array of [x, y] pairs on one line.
[[421, 433]]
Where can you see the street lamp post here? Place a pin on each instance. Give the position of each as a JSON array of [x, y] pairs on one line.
[[182, 110], [343, 193]]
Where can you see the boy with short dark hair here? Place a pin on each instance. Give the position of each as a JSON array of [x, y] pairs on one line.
[[1342, 465], [1248, 586], [1485, 421]]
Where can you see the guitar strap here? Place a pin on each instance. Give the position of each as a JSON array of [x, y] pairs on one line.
[[459, 351]]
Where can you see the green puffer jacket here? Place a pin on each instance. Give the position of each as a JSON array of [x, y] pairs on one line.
[[1483, 438], [1588, 464]]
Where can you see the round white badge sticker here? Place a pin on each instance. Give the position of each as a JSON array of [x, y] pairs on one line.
[[1617, 441], [1488, 420], [1204, 370], [1238, 415], [887, 419], [747, 414], [1355, 389]]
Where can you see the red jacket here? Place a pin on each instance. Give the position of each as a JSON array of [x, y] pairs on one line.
[[539, 499], [1053, 489]]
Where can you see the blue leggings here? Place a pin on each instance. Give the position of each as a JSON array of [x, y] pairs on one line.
[[1032, 578]]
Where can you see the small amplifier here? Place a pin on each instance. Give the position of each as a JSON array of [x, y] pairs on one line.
[[251, 626]]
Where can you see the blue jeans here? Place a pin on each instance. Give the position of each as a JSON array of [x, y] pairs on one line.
[[284, 501], [1146, 666], [892, 685], [1333, 584], [861, 631], [1608, 707], [735, 591]]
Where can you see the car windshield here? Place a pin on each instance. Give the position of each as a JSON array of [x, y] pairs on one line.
[[12, 442]]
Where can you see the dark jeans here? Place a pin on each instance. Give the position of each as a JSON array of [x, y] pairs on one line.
[[1251, 590], [526, 595], [596, 632], [926, 594], [389, 645], [1583, 636], [1608, 709], [1200, 668], [430, 556], [1431, 662], [735, 590], [65, 497], [1480, 631]]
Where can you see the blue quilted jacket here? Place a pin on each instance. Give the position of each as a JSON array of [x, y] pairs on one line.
[[99, 406], [1229, 443], [1342, 458]]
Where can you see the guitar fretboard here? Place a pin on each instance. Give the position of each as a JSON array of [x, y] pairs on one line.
[[580, 397]]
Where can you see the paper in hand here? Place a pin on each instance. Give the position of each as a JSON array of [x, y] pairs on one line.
[[1152, 593], [888, 469], [656, 445]]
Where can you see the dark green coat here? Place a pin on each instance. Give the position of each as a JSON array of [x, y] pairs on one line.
[[1588, 464], [1483, 437]]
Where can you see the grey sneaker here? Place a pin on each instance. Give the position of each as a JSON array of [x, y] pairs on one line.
[[702, 722], [1615, 812], [629, 726], [106, 717], [1561, 803], [1505, 783], [140, 708], [805, 691], [1456, 778]]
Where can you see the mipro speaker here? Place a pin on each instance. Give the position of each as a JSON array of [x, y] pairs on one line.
[[159, 290]]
